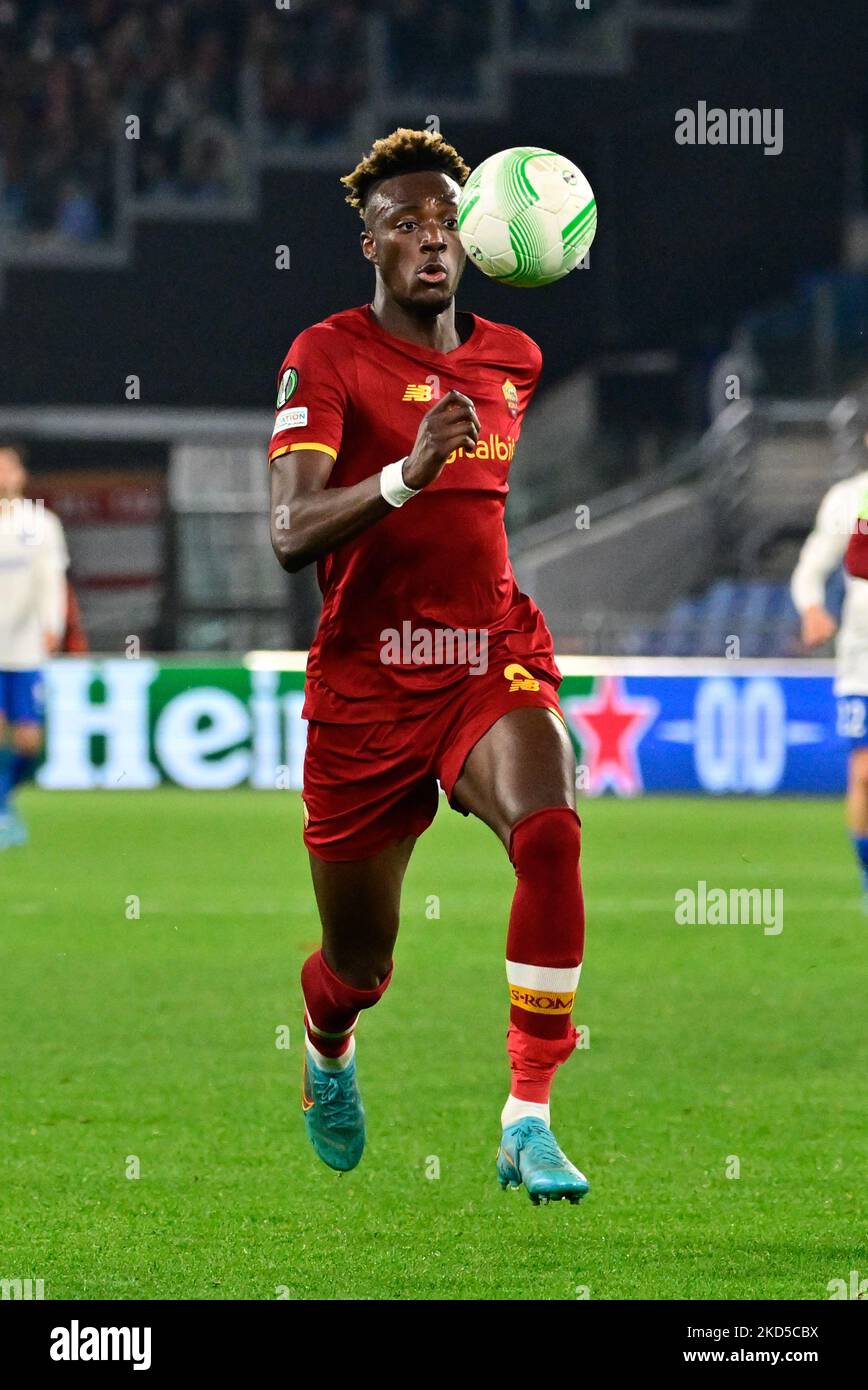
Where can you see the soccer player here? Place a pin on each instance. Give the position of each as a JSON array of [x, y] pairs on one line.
[[837, 536], [33, 563], [396, 422]]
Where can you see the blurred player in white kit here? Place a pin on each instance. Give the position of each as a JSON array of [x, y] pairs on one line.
[[838, 536], [33, 598]]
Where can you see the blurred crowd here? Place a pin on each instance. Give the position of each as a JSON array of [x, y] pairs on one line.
[[72, 72], [437, 48], [551, 23], [314, 63], [311, 68]]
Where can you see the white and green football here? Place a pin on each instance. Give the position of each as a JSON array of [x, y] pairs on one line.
[[526, 216]]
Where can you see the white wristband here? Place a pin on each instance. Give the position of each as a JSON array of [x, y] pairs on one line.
[[392, 485]]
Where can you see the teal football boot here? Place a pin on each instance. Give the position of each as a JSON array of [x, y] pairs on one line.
[[13, 831], [529, 1154], [333, 1114]]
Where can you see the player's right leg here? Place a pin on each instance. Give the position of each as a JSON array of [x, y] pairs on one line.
[[368, 794], [359, 906], [519, 779]]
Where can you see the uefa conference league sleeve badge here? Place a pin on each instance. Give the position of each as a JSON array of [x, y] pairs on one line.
[[287, 387]]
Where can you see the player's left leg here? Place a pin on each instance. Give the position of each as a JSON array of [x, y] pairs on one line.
[[21, 755], [857, 807], [6, 820], [26, 742], [519, 779], [21, 703]]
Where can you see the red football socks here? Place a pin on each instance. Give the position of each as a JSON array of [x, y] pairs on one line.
[[544, 948], [332, 1006]]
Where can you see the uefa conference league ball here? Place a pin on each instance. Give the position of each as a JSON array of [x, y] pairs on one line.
[[526, 216]]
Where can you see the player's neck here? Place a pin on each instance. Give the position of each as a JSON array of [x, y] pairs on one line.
[[439, 332]]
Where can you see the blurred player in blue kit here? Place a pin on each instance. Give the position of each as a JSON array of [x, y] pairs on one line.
[[840, 534], [33, 605]]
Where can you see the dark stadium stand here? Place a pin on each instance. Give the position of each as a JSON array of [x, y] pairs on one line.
[[247, 114]]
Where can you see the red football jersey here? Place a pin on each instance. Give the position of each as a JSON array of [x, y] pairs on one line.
[[439, 563]]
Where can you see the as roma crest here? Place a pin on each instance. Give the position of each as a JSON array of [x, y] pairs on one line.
[[510, 395]]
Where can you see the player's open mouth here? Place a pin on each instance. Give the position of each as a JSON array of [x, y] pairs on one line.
[[433, 274]]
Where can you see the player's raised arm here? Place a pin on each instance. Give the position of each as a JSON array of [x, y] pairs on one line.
[[821, 553], [50, 577], [309, 519]]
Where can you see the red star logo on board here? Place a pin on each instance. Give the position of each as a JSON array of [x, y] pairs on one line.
[[610, 724]]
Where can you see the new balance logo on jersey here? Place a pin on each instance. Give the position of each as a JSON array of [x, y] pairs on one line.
[[418, 393], [520, 678]]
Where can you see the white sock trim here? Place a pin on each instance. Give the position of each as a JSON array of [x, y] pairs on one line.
[[330, 1063], [516, 1109], [562, 979]]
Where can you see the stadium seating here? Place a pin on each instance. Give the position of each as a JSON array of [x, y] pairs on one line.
[[759, 614], [215, 86]]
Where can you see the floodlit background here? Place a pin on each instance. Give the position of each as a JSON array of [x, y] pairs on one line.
[[170, 219], [143, 317]]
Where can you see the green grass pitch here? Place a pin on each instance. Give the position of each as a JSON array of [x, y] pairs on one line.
[[155, 1039]]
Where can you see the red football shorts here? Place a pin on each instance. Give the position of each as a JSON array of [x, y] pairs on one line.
[[366, 786]]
